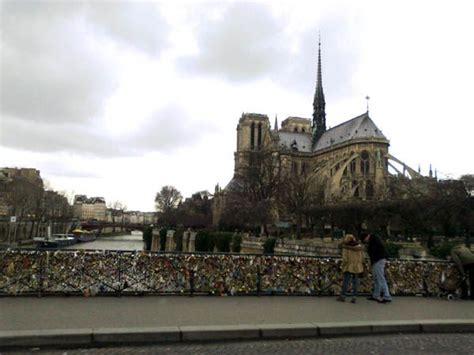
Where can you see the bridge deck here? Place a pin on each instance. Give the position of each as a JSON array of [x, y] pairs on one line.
[[30, 313]]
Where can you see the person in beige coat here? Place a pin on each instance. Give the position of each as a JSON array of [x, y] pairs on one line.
[[352, 265], [464, 259]]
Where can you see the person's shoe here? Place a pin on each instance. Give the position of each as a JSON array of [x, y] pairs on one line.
[[372, 298], [341, 299], [353, 300], [384, 301]]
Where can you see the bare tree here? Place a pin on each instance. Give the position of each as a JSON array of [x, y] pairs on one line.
[[300, 193], [252, 200], [117, 210], [23, 198], [167, 199]]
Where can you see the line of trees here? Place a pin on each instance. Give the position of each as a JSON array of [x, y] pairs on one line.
[[262, 193], [173, 210], [32, 203]]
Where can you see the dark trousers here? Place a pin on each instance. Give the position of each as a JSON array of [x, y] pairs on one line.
[[469, 272]]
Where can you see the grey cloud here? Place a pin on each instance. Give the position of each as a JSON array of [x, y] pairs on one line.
[[248, 42], [55, 137], [339, 59], [136, 24], [169, 129], [166, 130], [50, 71], [55, 67], [244, 43]]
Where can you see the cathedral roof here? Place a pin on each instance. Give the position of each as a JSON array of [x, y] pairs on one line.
[[359, 127], [303, 140]]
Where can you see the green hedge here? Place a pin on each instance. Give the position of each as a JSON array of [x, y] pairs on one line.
[[163, 233], [269, 246], [206, 241], [393, 250], [442, 250], [147, 237], [222, 241], [179, 239], [236, 243]]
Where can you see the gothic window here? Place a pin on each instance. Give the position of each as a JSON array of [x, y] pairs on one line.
[[356, 192], [364, 167], [294, 168], [259, 140], [369, 190], [303, 168], [364, 163], [252, 135], [352, 166]]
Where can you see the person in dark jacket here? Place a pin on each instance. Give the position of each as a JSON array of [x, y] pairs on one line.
[[378, 258]]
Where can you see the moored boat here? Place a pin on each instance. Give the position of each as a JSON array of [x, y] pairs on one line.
[[83, 236], [55, 241]]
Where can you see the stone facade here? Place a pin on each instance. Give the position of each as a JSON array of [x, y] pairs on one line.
[[350, 161], [89, 208], [352, 166]]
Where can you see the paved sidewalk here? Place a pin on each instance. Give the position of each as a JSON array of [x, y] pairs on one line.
[[74, 321], [25, 313]]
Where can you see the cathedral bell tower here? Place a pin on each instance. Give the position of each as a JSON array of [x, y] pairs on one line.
[[319, 105]]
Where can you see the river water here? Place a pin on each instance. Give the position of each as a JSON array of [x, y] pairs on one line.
[[131, 241]]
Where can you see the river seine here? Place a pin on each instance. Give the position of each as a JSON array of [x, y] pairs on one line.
[[131, 241]]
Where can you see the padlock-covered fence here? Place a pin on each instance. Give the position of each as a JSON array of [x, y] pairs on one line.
[[90, 273]]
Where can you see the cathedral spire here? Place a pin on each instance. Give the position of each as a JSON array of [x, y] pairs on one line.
[[276, 123], [319, 104]]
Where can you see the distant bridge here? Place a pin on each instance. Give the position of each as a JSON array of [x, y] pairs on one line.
[[98, 225]]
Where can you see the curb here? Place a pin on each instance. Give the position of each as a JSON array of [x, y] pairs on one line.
[[107, 336]]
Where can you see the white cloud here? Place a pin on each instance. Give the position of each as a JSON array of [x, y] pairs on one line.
[[119, 100]]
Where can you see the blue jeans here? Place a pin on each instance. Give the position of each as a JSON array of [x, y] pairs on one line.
[[345, 283], [380, 284]]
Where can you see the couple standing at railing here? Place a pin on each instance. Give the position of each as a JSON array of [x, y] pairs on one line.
[[353, 265]]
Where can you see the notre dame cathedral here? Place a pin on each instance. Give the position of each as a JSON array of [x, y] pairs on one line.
[[352, 158]]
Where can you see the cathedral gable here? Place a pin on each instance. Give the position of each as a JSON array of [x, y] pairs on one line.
[[360, 127]]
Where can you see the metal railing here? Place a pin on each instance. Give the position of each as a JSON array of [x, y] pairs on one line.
[[92, 272]]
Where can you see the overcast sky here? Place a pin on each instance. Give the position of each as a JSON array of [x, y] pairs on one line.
[[117, 99]]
